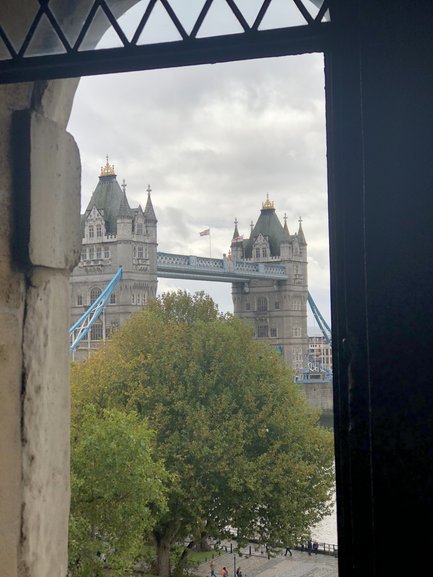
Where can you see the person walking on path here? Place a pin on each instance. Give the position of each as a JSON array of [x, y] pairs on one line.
[[315, 547], [224, 572], [212, 568], [309, 546], [238, 572], [288, 550]]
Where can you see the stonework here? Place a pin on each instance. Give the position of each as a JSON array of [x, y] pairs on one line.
[[34, 442], [277, 310], [114, 235]]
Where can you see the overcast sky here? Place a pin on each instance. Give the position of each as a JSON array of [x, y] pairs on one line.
[[212, 142]]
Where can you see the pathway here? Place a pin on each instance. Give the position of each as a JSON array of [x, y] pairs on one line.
[[299, 565]]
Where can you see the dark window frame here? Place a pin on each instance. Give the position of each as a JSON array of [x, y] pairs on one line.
[[364, 37]]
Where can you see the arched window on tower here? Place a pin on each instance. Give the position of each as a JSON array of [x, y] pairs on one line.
[[96, 332], [296, 332], [262, 331], [94, 294], [262, 304]]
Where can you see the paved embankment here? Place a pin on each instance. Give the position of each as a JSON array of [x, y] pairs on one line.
[[299, 565]]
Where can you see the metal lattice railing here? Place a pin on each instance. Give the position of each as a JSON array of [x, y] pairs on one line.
[[56, 38]]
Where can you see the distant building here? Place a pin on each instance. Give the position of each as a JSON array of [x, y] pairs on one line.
[[319, 350], [114, 234], [276, 309]]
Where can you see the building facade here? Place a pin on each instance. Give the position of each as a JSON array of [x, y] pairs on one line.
[[113, 235], [276, 309], [319, 350]]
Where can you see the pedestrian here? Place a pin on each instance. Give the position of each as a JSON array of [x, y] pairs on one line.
[[288, 551], [212, 568], [315, 547], [224, 572], [309, 546], [238, 572]]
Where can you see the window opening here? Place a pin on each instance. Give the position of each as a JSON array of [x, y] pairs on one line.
[[94, 294], [262, 304]]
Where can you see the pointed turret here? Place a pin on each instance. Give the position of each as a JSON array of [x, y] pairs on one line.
[[269, 226], [301, 237], [149, 213], [236, 232], [237, 244], [286, 228], [285, 242], [124, 208], [107, 198]]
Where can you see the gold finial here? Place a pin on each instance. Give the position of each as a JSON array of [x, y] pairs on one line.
[[107, 170], [267, 203]]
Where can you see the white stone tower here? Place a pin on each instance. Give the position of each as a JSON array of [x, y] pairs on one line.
[[276, 309], [114, 234]]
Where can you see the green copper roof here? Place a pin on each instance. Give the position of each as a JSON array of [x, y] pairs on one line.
[[109, 198], [269, 225]]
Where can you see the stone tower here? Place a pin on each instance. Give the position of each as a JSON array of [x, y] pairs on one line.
[[276, 309], [114, 234]]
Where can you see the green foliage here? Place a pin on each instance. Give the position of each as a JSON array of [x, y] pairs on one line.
[[117, 489], [242, 445]]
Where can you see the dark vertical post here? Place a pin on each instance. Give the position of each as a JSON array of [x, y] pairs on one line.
[[380, 142]]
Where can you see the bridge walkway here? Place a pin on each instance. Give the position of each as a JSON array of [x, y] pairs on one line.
[[299, 565]]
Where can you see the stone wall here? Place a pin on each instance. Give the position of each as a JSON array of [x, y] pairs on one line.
[[319, 395], [39, 191]]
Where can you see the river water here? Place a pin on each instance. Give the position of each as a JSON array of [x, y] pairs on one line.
[[326, 530]]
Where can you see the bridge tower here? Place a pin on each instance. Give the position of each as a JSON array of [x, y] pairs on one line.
[[114, 234], [276, 309]]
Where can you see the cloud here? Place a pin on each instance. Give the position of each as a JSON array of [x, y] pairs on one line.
[[212, 141]]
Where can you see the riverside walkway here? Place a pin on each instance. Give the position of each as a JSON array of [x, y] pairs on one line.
[[299, 565]]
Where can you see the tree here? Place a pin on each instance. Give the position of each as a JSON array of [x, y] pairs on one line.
[[117, 488], [244, 448]]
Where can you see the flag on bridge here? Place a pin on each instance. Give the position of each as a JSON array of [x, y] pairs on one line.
[[205, 232]]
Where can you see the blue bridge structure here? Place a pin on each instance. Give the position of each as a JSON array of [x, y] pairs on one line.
[[192, 267]]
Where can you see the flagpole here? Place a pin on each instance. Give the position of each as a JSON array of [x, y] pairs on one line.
[[210, 244]]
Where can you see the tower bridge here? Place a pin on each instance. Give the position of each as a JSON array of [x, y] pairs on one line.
[[226, 269], [120, 265]]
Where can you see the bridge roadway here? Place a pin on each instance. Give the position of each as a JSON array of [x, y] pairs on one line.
[[216, 269]]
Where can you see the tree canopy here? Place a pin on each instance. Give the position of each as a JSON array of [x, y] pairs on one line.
[[117, 490], [244, 450]]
